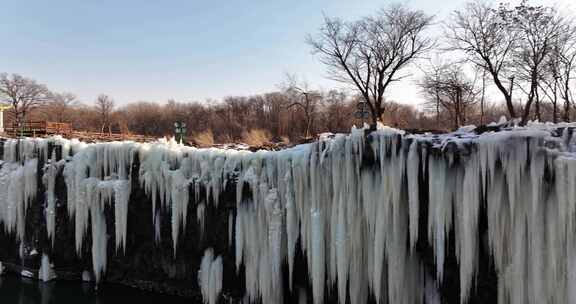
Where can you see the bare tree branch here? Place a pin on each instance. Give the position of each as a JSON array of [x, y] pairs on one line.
[[369, 53], [24, 94]]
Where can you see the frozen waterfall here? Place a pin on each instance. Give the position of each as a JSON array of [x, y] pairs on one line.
[[356, 206]]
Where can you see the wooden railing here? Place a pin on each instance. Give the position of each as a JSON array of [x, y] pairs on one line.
[[39, 128], [46, 128], [98, 136]]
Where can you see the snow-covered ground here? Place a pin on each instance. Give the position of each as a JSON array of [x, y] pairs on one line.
[[352, 201]]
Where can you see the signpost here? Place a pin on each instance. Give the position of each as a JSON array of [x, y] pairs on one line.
[[362, 111], [179, 131], [2, 109]]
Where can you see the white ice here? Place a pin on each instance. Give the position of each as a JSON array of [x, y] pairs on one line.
[[353, 204]]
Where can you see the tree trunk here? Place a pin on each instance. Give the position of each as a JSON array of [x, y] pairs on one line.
[[482, 99], [555, 103], [537, 105], [437, 109], [374, 111], [566, 97], [507, 93], [531, 95]]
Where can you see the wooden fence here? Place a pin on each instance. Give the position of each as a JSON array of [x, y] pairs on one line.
[[39, 128], [46, 128]]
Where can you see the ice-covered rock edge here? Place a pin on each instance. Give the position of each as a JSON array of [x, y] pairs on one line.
[[353, 201]]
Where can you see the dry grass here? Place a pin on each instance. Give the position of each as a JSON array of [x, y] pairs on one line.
[[285, 140], [204, 139], [256, 137]]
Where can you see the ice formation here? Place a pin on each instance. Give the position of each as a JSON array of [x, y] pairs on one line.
[[26, 274], [352, 203], [200, 210], [51, 171], [46, 273], [86, 277], [210, 277]]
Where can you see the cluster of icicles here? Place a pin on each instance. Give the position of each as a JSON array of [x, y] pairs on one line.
[[357, 221]]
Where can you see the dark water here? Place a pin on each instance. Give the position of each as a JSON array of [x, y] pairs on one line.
[[14, 289]]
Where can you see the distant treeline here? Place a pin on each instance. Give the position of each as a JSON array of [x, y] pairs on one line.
[[284, 115]]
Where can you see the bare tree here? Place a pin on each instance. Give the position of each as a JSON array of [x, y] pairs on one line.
[[401, 115], [483, 35], [369, 53], [59, 106], [448, 87], [303, 98], [274, 110], [336, 111], [104, 107], [562, 66], [431, 89], [549, 83], [24, 94], [539, 30], [482, 96]]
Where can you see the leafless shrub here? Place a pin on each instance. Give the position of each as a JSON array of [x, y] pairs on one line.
[[204, 139], [256, 137]]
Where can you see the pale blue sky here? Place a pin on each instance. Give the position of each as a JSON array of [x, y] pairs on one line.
[[186, 50]]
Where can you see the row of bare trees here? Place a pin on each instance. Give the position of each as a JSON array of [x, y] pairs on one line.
[[295, 111], [528, 49], [527, 53], [29, 100], [292, 113], [287, 114]]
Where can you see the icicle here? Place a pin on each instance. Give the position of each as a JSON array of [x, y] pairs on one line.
[[431, 294], [204, 274], [439, 210], [291, 226], [216, 279], [239, 237], [413, 175], [179, 198], [49, 179], [210, 277], [122, 190], [467, 229], [317, 252], [274, 215], [18, 186], [99, 238], [302, 296], [86, 276], [46, 273], [157, 234], [200, 217], [357, 221]]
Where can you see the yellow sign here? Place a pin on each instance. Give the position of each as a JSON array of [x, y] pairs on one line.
[[2, 108]]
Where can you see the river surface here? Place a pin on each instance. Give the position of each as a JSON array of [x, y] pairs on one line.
[[17, 290]]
